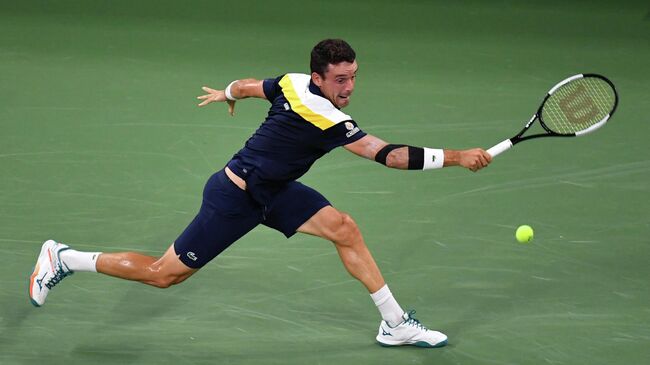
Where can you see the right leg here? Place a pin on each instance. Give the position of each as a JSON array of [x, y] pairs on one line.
[[160, 272], [227, 213]]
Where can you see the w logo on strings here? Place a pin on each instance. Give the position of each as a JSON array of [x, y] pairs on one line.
[[578, 106]]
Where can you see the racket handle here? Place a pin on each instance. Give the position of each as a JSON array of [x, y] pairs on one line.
[[500, 148]]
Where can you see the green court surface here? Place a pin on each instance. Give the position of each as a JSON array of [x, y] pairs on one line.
[[102, 147]]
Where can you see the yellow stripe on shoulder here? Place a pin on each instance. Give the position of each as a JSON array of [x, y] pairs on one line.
[[313, 108]]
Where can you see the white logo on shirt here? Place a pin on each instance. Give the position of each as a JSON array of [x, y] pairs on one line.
[[349, 125], [192, 256], [352, 132], [286, 106]]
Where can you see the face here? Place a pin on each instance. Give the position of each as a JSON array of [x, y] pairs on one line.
[[338, 82]]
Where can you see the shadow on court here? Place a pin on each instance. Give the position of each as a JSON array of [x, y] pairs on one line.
[[108, 352], [12, 318], [140, 304]]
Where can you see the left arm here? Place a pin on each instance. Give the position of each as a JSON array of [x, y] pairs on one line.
[[404, 157], [239, 89]]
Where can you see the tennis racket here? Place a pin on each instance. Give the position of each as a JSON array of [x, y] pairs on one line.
[[574, 107]]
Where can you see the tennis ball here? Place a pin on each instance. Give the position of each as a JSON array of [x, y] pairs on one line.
[[524, 234]]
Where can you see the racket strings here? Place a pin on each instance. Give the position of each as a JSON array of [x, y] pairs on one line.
[[578, 105]]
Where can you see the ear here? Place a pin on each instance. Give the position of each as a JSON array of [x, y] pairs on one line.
[[317, 79]]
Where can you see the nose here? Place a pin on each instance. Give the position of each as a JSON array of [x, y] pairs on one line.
[[349, 85]]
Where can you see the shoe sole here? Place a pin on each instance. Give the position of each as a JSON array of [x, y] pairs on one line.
[[417, 344], [35, 273], [31, 285]]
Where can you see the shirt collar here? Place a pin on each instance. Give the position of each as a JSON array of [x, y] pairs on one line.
[[315, 89]]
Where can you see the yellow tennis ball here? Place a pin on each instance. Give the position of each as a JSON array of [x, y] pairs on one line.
[[524, 234]]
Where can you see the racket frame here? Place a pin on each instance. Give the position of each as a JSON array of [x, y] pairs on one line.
[[508, 143]]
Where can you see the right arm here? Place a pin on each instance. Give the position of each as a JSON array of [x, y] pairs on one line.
[[240, 89], [369, 146]]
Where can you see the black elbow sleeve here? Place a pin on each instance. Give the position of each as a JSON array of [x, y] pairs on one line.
[[416, 155], [416, 158], [383, 153]]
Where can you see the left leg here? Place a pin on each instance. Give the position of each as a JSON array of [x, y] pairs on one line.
[[340, 228], [398, 328], [299, 208]]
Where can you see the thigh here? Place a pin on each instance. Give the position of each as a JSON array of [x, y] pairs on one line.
[[292, 206], [227, 213], [325, 223]]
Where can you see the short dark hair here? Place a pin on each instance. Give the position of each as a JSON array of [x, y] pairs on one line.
[[330, 51]]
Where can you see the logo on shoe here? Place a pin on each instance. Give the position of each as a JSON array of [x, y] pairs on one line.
[[40, 282], [385, 333], [192, 256]]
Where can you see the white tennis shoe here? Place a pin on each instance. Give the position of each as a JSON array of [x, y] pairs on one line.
[[48, 272], [409, 332]]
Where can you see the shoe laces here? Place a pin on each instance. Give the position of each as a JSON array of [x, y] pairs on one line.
[[59, 275], [412, 321]]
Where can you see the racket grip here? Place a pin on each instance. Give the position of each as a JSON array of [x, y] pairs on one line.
[[500, 148]]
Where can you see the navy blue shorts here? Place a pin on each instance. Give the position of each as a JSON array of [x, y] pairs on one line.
[[228, 213]]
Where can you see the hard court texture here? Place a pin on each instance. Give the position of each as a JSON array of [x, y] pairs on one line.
[[102, 147]]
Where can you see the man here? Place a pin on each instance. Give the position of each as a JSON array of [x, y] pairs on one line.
[[258, 186]]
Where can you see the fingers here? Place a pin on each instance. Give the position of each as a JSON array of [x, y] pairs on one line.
[[206, 102], [485, 157], [216, 95], [482, 161], [203, 97], [207, 99], [213, 95], [479, 163], [479, 159]]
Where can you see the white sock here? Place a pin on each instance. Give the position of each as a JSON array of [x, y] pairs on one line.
[[80, 261], [390, 310]]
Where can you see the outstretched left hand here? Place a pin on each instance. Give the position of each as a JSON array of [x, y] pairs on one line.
[[216, 95]]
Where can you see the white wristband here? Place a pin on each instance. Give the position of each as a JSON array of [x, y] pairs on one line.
[[433, 158], [227, 92]]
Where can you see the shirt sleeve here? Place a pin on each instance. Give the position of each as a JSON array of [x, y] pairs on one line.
[[272, 88], [341, 134]]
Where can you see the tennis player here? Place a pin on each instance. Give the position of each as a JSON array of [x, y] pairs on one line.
[[258, 186]]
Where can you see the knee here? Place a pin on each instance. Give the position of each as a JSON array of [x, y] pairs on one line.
[[346, 232]]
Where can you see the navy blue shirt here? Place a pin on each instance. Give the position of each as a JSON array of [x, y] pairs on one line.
[[301, 127]]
